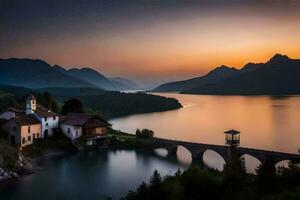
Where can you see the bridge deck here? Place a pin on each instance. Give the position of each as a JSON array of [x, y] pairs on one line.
[[258, 153]]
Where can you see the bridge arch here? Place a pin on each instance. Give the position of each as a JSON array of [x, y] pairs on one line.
[[251, 163], [213, 159], [184, 155], [282, 163], [161, 151]]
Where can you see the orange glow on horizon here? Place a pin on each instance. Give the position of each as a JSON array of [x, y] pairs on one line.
[[187, 45]]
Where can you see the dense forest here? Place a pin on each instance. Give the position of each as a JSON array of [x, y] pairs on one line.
[[106, 103], [115, 104], [232, 184]]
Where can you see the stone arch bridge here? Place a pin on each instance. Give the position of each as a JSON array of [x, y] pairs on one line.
[[197, 150]]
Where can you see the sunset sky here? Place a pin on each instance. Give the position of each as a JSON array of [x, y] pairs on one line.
[[152, 40]]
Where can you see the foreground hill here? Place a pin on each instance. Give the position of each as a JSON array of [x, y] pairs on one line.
[[109, 104], [35, 74], [279, 75]]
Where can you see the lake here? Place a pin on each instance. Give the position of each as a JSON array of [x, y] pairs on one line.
[[90, 175], [265, 122]]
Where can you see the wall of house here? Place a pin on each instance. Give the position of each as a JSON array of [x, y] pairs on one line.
[[70, 131], [49, 124], [14, 130], [96, 131], [23, 134], [30, 132], [7, 115]]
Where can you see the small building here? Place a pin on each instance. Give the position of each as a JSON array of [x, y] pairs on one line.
[[232, 138], [10, 113], [48, 119], [23, 129], [92, 127], [34, 114]]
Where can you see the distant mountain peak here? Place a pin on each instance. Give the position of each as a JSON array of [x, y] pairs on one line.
[[223, 68], [278, 59]]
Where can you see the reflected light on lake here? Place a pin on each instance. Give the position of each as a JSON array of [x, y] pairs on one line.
[[184, 156], [265, 122], [213, 160], [161, 152], [251, 163]]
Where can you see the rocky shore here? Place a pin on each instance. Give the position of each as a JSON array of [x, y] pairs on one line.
[[22, 167]]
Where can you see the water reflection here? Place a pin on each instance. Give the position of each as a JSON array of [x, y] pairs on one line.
[[161, 152], [90, 175], [251, 163], [184, 156], [284, 163], [265, 122], [213, 160]]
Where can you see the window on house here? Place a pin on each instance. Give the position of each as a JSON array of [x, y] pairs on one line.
[[69, 130], [34, 136], [28, 129], [38, 135], [45, 118], [46, 124], [29, 138], [14, 128], [23, 140], [54, 117]]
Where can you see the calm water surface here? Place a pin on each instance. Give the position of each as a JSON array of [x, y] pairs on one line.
[[265, 122], [90, 175]]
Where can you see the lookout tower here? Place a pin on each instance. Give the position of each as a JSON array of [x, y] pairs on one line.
[[30, 104], [232, 138]]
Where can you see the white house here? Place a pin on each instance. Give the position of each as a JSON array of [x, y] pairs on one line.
[[48, 119]]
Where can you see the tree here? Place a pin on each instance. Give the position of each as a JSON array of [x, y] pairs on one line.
[[156, 191], [145, 133], [47, 100], [266, 176], [234, 172], [55, 107], [72, 105]]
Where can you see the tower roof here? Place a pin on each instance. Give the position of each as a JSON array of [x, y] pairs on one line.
[[232, 132], [31, 97]]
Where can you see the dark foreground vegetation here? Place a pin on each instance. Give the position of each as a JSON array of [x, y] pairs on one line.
[[144, 133], [106, 103], [233, 183]]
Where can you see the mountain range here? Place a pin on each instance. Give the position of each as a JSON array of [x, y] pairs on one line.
[[39, 74], [279, 75]]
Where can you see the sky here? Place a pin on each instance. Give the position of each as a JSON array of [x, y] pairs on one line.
[[149, 40]]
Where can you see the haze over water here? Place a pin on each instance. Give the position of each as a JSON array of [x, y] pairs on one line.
[[265, 122]]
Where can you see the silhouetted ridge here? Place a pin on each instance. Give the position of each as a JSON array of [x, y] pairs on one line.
[[35, 74], [279, 75], [279, 59], [214, 76]]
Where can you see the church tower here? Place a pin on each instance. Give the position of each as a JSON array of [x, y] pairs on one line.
[[30, 104]]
